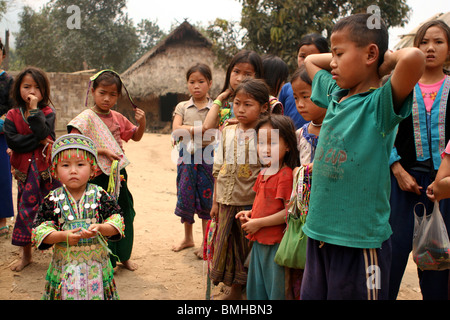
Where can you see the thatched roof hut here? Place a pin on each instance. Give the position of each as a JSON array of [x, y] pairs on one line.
[[157, 81], [407, 40]]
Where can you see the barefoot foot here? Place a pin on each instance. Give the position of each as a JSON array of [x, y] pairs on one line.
[[21, 264], [130, 265], [183, 245]]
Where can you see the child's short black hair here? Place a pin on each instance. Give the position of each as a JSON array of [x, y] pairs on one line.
[[362, 34]]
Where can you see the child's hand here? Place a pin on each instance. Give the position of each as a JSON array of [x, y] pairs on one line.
[[224, 95], [244, 216], [73, 236], [46, 140], [310, 167], [32, 101], [388, 64], [214, 213], [430, 192], [139, 115], [109, 154], [91, 232], [251, 226]]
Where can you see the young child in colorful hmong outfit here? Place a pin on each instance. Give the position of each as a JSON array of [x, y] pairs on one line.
[[29, 131], [236, 167], [108, 129], [75, 218]]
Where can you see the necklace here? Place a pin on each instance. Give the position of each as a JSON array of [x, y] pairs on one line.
[[316, 124], [100, 112]]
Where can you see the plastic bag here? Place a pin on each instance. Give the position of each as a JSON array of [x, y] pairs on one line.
[[431, 247]]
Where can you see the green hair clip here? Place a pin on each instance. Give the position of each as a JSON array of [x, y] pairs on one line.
[[95, 76]]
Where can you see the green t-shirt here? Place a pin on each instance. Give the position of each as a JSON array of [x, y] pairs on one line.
[[349, 203]]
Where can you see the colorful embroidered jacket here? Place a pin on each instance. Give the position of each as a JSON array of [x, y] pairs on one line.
[[55, 213], [24, 137], [416, 136]]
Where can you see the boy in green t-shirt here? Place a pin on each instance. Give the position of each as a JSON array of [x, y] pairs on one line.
[[348, 253]]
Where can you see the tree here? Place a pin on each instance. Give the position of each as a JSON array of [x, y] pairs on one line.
[[106, 37], [226, 37], [149, 35], [3, 7], [276, 26]]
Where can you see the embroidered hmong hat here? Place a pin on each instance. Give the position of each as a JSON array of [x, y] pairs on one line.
[[74, 141]]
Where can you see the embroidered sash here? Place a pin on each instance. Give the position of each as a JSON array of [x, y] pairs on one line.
[[90, 124], [437, 130]]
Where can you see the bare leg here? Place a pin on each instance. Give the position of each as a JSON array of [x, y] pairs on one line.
[[199, 252], [188, 240]]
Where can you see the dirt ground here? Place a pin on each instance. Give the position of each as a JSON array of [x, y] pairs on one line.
[[162, 273]]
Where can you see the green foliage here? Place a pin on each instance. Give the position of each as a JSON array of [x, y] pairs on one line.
[[276, 26], [149, 34], [106, 38], [226, 39]]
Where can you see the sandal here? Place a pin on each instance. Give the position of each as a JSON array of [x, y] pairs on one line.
[[4, 234]]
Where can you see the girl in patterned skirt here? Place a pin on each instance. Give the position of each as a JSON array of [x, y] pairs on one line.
[[29, 131]]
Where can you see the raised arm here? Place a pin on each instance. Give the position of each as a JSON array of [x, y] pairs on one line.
[[408, 65], [316, 62]]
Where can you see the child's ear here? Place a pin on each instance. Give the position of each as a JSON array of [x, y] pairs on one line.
[[265, 107], [373, 53]]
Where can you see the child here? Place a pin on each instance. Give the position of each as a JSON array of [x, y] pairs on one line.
[[6, 199], [351, 233], [245, 64], [420, 141], [107, 128], [276, 72], [307, 138], [265, 222], [309, 44], [29, 131], [236, 167], [195, 182], [75, 218]]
